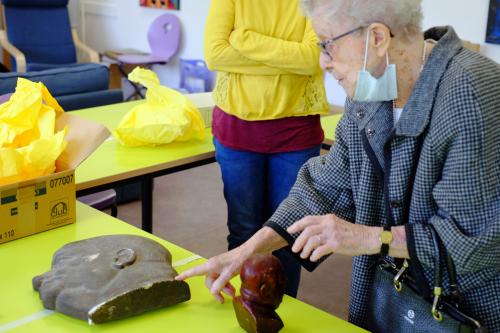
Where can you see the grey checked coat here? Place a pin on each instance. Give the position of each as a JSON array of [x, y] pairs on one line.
[[366, 178]]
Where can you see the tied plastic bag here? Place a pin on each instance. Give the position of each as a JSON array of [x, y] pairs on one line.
[[28, 145], [166, 115]]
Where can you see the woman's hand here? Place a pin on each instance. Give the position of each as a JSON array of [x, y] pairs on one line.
[[322, 235], [218, 271]]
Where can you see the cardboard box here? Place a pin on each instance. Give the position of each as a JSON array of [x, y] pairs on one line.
[[43, 203]]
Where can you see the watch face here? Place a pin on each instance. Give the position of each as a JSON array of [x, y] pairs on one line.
[[386, 237]]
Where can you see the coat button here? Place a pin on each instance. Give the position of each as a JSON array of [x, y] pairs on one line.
[[395, 204], [370, 132], [360, 114]]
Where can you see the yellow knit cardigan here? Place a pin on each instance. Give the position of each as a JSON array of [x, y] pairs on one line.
[[268, 62]]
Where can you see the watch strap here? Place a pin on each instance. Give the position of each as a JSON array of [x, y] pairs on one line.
[[384, 248]]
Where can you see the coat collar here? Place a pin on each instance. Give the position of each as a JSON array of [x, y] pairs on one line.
[[417, 110]]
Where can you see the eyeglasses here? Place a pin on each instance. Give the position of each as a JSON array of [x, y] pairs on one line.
[[323, 45]]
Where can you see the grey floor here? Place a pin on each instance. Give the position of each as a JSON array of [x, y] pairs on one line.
[[190, 211]]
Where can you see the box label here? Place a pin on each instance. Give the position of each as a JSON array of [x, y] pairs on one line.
[[7, 235], [59, 209], [61, 181], [46, 204]]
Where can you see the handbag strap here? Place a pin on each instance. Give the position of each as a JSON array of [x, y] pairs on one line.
[[416, 270], [438, 272], [438, 277], [439, 248], [455, 296]]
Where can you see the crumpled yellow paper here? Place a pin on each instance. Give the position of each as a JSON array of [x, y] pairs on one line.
[[165, 116], [28, 145]]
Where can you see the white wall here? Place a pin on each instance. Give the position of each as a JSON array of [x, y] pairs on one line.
[[123, 24], [118, 24], [468, 17]]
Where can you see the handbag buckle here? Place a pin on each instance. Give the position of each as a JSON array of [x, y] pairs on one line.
[[435, 312], [399, 276]]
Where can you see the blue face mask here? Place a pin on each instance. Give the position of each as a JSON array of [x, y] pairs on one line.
[[370, 89]]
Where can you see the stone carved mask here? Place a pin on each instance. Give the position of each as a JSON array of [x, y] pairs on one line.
[[110, 277]]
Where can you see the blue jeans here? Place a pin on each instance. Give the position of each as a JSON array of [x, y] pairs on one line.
[[254, 186]]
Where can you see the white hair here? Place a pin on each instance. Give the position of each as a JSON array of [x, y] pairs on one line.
[[403, 17]]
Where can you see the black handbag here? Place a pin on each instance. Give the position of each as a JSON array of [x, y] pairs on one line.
[[396, 305]]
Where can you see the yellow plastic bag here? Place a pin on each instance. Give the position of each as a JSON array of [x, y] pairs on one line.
[[167, 115], [28, 145]]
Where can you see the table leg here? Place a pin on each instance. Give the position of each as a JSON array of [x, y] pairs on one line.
[[147, 204]]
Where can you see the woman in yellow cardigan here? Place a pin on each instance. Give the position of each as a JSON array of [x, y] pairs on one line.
[[269, 97]]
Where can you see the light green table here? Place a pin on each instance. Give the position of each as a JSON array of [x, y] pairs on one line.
[[329, 124], [113, 164], [112, 161], [21, 309]]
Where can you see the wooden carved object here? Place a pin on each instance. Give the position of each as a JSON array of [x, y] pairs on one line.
[[112, 277], [262, 289]]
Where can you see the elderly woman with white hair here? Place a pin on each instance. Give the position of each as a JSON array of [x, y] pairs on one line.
[[413, 174]]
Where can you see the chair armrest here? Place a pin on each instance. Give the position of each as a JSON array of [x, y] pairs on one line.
[[90, 53], [14, 51]]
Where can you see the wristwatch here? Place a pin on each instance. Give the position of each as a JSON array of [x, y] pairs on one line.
[[386, 239]]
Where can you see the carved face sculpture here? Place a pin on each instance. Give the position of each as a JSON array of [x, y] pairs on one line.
[[110, 277], [263, 280]]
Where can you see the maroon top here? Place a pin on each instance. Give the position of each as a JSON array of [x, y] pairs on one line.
[[267, 136]]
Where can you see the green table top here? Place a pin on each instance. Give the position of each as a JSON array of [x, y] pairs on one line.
[[113, 162], [21, 309], [329, 124]]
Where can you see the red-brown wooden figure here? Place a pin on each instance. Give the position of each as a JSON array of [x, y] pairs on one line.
[[262, 289]]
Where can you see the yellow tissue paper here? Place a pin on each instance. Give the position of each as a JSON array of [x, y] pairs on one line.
[[165, 116], [28, 145]]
